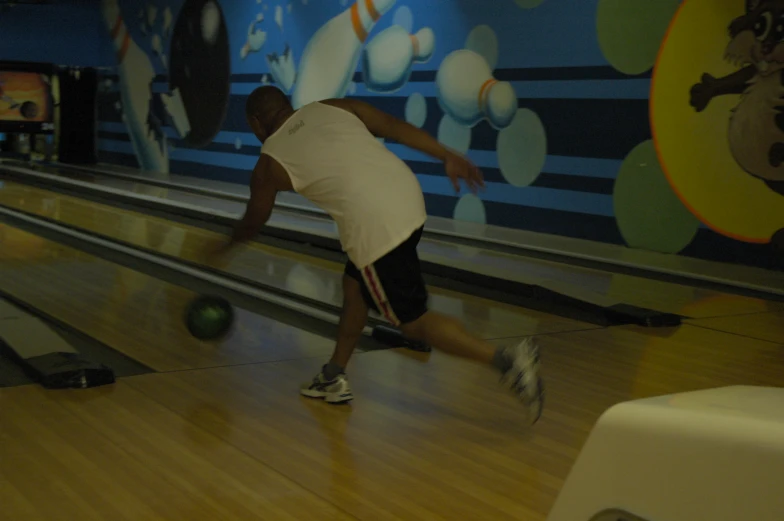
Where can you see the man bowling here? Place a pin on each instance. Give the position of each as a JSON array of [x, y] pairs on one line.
[[327, 151]]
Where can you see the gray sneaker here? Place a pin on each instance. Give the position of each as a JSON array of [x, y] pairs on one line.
[[333, 391], [523, 377]]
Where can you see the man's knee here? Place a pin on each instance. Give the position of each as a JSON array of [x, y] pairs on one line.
[[415, 329], [351, 285], [352, 291]]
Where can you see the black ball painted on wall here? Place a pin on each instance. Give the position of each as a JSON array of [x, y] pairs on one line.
[[200, 67]]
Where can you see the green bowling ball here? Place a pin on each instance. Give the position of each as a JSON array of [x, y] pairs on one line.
[[209, 317]]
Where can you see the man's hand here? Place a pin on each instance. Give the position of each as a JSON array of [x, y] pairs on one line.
[[216, 252], [459, 167]]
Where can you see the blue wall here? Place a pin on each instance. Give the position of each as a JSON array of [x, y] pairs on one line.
[[66, 33], [582, 98]]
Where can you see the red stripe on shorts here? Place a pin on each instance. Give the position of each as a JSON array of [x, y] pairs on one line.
[[375, 289]]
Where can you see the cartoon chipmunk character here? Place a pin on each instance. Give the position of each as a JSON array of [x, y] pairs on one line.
[[756, 130]]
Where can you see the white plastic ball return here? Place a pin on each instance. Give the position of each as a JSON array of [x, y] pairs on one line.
[[712, 455]]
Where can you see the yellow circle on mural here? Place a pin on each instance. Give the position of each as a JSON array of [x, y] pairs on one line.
[[706, 155]]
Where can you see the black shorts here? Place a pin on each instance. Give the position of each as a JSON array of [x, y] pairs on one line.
[[393, 285]]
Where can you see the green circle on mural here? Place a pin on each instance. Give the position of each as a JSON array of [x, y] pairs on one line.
[[470, 208], [529, 4], [631, 31], [649, 214], [522, 148]]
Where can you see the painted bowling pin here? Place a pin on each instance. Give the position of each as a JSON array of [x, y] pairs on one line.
[[388, 58], [330, 59], [468, 92], [136, 75]]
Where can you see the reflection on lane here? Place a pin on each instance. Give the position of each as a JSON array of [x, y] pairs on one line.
[[16, 244], [293, 221]]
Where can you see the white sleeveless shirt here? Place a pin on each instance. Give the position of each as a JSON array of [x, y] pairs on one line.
[[335, 162]]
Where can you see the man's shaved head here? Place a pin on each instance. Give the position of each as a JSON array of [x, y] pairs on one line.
[[265, 102], [266, 109]]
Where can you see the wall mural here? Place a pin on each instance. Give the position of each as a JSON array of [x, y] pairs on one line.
[[718, 115], [549, 97]]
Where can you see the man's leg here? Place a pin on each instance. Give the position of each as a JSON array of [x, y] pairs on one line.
[[352, 320], [397, 288], [331, 384], [518, 364], [450, 336]]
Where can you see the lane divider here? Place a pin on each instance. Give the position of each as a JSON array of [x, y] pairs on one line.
[[500, 245], [570, 302], [130, 257]]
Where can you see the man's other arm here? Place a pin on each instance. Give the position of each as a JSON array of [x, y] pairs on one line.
[[387, 126]]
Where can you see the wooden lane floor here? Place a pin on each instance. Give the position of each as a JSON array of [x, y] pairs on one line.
[[308, 276], [435, 441], [137, 314], [225, 434], [641, 292], [441, 440], [115, 453]]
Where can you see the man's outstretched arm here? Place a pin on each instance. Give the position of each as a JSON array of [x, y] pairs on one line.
[[263, 190], [387, 126], [268, 178]]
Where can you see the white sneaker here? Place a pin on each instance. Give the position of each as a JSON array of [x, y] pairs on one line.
[[523, 377], [334, 391]]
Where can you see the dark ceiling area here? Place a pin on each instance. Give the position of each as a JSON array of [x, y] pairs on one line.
[[11, 3]]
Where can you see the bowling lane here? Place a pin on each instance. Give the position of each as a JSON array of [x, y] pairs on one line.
[[233, 440], [307, 276], [442, 440], [597, 286], [114, 453], [223, 205], [135, 314], [421, 441]]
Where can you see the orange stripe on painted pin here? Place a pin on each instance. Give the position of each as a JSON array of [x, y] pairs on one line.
[[118, 27], [415, 43], [372, 11], [486, 86], [124, 48], [356, 21]]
